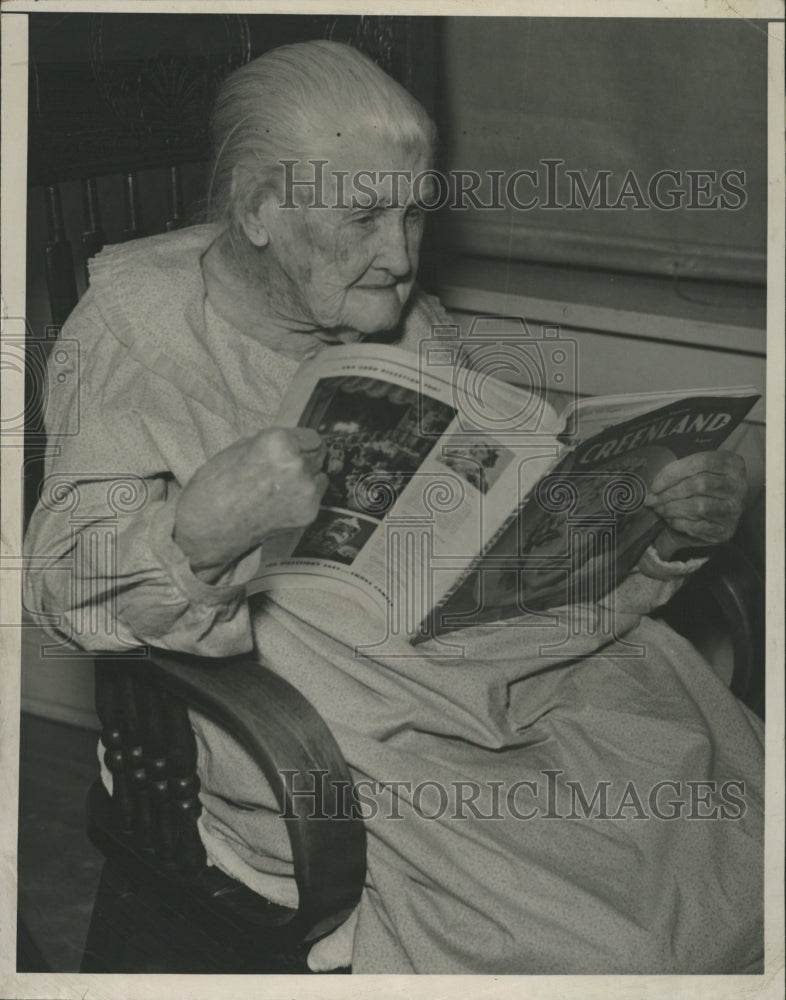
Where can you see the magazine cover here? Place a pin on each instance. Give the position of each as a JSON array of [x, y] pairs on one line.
[[585, 526]]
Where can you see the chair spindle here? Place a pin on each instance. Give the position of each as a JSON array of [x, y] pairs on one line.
[[134, 756], [152, 709], [184, 785], [133, 210], [110, 712], [93, 237], [175, 200], [60, 279]]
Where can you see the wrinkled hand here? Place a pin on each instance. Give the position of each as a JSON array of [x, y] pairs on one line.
[[255, 488], [700, 498]]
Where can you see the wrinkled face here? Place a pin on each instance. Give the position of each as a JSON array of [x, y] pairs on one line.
[[351, 264]]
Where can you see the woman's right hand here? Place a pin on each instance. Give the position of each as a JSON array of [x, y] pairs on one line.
[[255, 488]]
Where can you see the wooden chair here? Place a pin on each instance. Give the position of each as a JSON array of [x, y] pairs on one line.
[[723, 604], [159, 906]]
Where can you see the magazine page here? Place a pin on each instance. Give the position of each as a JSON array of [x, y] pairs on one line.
[[421, 475], [584, 527]]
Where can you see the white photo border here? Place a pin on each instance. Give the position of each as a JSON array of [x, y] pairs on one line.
[[12, 304]]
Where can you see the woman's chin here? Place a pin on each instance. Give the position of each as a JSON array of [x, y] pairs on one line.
[[374, 311]]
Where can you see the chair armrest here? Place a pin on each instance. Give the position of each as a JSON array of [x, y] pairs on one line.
[[280, 730], [727, 592], [738, 588]]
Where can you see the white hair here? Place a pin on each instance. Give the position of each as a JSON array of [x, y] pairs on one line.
[[298, 102]]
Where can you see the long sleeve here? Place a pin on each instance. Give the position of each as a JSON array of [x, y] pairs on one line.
[[103, 570], [650, 585], [107, 582]]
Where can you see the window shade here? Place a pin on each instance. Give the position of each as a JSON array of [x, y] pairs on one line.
[[621, 98]]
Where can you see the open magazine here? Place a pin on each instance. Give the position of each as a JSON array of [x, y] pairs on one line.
[[455, 498]]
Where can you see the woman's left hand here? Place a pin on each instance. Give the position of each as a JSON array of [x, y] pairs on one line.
[[700, 498]]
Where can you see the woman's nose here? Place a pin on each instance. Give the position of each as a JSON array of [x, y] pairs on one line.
[[393, 253]]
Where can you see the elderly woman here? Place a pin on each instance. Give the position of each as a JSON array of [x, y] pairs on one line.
[[188, 343]]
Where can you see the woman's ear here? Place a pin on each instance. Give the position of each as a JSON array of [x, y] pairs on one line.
[[246, 196], [255, 229]]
